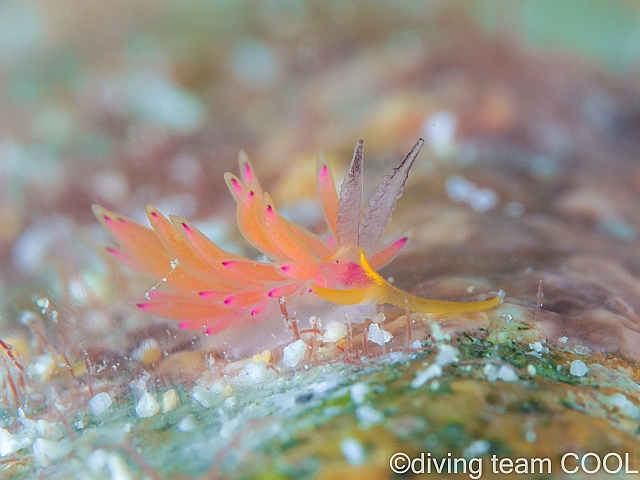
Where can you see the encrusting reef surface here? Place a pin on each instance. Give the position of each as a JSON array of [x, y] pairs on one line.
[[528, 183]]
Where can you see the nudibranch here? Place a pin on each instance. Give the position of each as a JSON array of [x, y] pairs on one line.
[[204, 286]]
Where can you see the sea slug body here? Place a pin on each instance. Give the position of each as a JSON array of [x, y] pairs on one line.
[[206, 287]]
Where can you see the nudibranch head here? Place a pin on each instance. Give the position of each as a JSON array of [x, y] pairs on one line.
[[204, 286]]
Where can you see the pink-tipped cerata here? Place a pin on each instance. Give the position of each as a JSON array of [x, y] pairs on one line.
[[207, 288]]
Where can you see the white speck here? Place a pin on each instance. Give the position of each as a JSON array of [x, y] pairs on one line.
[[216, 387], [43, 303], [255, 372], [147, 406], [358, 392], [323, 387], [625, 405], [461, 190], [293, 353], [187, 423], [530, 436], [424, 376], [208, 397], [285, 402], [536, 347], [334, 332], [367, 415], [395, 357], [204, 397], [471, 288], [531, 370], [440, 131], [458, 188], [416, 344], [491, 372], [507, 374], [437, 334], [118, 468], [377, 335], [379, 318], [228, 428], [434, 386], [229, 403], [170, 400], [78, 289], [563, 340], [476, 449], [100, 403], [447, 355], [12, 443], [46, 451], [578, 368], [99, 459], [483, 199], [353, 451]]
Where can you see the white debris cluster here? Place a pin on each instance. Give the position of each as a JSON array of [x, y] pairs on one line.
[[578, 368], [334, 332], [358, 392], [537, 349], [44, 438], [147, 406], [100, 403], [368, 416], [461, 190], [424, 376], [377, 335], [100, 460], [625, 405], [506, 373], [447, 355], [293, 353], [353, 451], [208, 396]]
